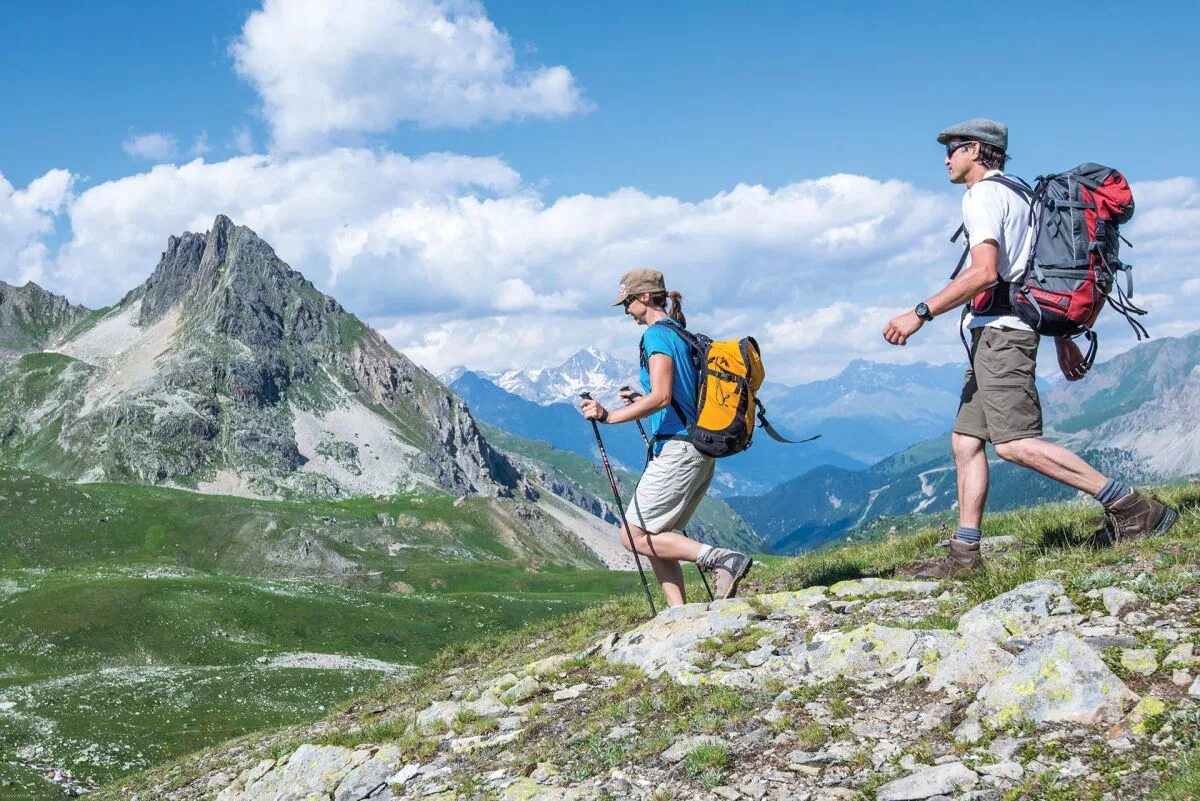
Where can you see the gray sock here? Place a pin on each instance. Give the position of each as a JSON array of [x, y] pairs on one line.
[[968, 534], [1112, 490]]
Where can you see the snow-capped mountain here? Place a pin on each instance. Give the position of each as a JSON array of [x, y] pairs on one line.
[[589, 370]]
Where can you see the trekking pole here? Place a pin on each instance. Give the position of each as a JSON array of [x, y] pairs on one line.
[[612, 481], [646, 440]]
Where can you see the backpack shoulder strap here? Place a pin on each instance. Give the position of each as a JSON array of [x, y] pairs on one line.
[[693, 344]]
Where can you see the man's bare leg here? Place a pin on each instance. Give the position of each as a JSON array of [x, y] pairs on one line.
[[970, 459], [1053, 461]]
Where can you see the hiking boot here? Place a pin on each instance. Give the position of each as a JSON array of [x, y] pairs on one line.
[[728, 569], [1136, 516], [964, 557]]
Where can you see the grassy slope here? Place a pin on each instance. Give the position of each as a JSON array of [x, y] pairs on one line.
[[153, 610], [1052, 540]]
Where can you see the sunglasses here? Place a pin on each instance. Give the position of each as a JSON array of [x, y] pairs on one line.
[[954, 146], [625, 303]]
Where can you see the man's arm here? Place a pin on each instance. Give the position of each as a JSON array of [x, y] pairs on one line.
[[980, 274]]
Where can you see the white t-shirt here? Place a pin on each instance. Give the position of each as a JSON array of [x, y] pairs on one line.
[[993, 211]]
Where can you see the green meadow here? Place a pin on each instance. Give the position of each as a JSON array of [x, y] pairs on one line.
[[138, 624]]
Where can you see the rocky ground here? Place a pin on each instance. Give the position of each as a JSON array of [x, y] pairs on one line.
[[1063, 671]]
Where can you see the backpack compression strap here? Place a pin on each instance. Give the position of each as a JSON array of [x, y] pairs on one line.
[[770, 429]]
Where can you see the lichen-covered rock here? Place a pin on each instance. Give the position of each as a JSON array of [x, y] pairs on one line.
[[548, 666], [666, 644], [796, 603], [1117, 600], [1134, 724], [442, 712], [530, 790], [1142, 661], [866, 649], [1057, 679], [682, 747], [970, 663], [953, 777], [364, 780], [1012, 614], [869, 587], [311, 773], [523, 690]]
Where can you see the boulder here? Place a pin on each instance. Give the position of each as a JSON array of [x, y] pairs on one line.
[[971, 663], [682, 747], [363, 780], [438, 712], [523, 690], [312, 771], [1011, 614], [866, 649], [795, 603], [1142, 661], [530, 790], [953, 777], [666, 644], [1117, 600], [1058, 679], [872, 587]]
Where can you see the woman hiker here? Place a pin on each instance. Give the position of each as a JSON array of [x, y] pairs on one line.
[[678, 475]]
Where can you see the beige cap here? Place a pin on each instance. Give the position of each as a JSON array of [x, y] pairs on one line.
[[635, 282]]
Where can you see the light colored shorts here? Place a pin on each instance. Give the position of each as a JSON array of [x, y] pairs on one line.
[[999, 398], [671, 488]]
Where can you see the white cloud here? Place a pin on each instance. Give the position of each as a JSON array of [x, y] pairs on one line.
[[27, 217], [200, 146], [302, 206], [151, 146], [243, 141], [365, 66], [460, 263]]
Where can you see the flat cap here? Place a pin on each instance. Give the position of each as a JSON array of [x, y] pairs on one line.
[[989, 132]]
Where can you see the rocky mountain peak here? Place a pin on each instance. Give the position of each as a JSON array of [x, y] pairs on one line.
[[227, 369], [213, 268], [32, 317]]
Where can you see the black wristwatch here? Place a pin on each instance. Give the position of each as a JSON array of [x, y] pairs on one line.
[[923, 312]]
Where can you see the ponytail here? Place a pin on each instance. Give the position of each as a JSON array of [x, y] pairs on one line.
[[676, 310], [659, 301]]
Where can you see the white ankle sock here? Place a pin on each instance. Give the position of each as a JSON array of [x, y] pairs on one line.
[[704, 551]]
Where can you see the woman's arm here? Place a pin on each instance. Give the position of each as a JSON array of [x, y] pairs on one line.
[[662, 384]]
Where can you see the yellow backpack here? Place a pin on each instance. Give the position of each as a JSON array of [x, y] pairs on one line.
[[730, 374]]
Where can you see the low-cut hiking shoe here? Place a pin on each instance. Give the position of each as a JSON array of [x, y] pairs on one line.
[[1136, 516], [728, 569]]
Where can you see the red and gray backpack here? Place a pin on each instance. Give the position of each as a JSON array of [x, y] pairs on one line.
[[1073, 261]]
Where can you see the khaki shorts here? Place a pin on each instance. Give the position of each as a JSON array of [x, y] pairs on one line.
[[671, 488], [999, 397]]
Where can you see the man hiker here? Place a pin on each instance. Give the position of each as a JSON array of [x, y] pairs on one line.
[[678, 475], [1000, 401]]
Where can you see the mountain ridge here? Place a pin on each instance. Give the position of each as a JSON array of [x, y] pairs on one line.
[[227, 370]]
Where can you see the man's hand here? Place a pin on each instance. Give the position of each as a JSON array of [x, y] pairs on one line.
[[901, 328], [592, 410], [629, 395], [1070, 359]]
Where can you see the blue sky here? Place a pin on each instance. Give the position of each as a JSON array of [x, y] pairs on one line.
[[690, 97], [679, 102]]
